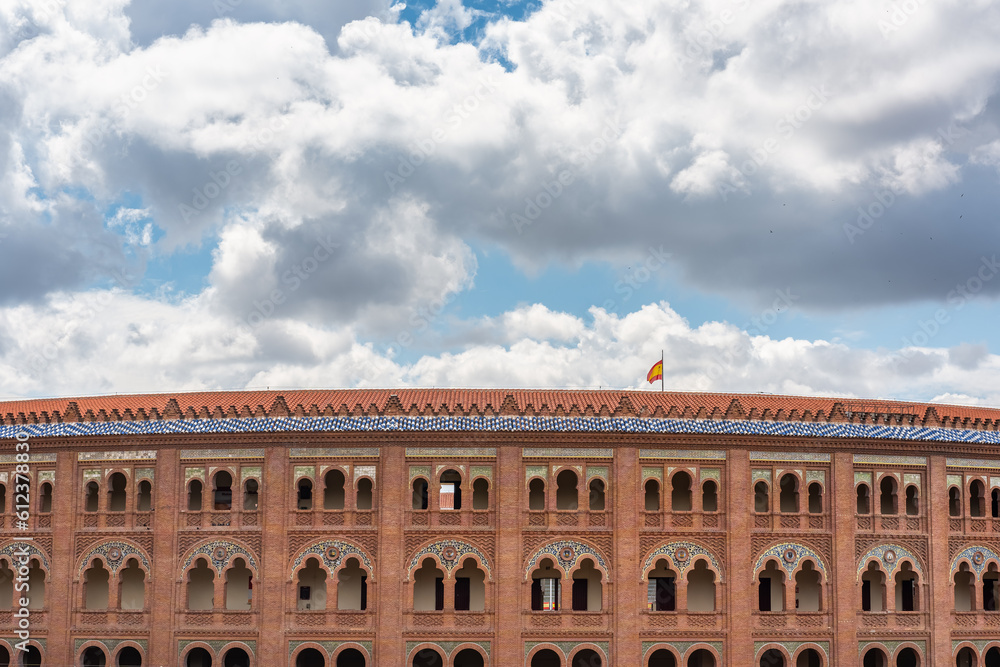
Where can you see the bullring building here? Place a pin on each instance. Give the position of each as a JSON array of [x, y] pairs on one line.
[[473, 528]]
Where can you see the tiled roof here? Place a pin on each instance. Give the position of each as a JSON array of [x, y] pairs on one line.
[[490, 402]]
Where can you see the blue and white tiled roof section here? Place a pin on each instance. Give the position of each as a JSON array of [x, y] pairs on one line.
[[502, 424]]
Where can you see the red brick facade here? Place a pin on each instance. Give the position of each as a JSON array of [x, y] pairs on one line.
[[713, 508]]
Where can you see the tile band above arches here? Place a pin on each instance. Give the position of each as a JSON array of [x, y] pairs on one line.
[[790, 555], [566, 554], [450, 553], [682, 554], [332, 553], [889, 557]]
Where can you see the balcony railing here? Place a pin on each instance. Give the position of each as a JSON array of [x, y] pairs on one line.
[[321, 518], [587, 621], [777, 521], [682, 620], [890, 523], [576, 519], [477, 621], [332, 618], [684, 520], [467, 518], [893, 620]]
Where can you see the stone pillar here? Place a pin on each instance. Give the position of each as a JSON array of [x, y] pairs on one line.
[[629, 594], [390, 565], [508, 570], [163, 595], [739, 582], [845, 590]]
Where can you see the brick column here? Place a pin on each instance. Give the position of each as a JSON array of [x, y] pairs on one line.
[[629, 593], [508, 568], [271, 604], [60, 595], [845, 591], [938, 571], [739, 582], [163, 596], [390, 563]]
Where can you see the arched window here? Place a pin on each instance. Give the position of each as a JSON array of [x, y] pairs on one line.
[[45, 504], [815, 498], [194, 496], [428, 657], [772, 658], [587, 593], [567, 495], [546, 586], [236, 657], [977, 500], [536, 494], [761, 498], [864, 499], [144, 502], [480, 494], [701, 658], [991, 589], [95, 586], [451, 490], [428, 587], [36, 584], [680, 494], [588, 657], [966, 658], [129, 657], [352, 586], [364, 498], [304, 498], [311, 657], [912, 500], [887, 496], [809, 658], [701, 587], [198, 657], [311, 587], [907, 658], [238, 586], [965, 583], [470, 587], [995, 497], [251, 495], [954, 502], [6, 586], [351, 657], [116, 493], [873, 589], [789, 497], [223, 496], [333, 494], [710, 496], [993, 657], [808, 591], [93, 493], [661, 591], [132, 586], [907, 598], [420, 494], [662, 658], [468, 658], [3, 499], [201, 586], [597, 495], [93, 657], [771, 588], [652, 498]]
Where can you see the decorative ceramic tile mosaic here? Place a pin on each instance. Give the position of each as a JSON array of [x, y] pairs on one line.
[[863, 477], [816, 476], [47, 476], [682, 648], [566, 647], [711, 473], [536, 471], [448, 452], [565, 553], [304, 471], [251, 453], [789, 555], [420, 471], [510, 424], [481, 471], [910, 478], [978, 556], [889, 556], [36, 457], [248, 472], [597, 471], [884, 459], [220, 552], [973, 463], [703, 454], [682, 556], [790, 456], [761, 475], [891, 646], [450, 553], [560, 453], [333, 452], [115, 554], [364, 471], [955, 480], [332, 553], [11, 548], [652, 473], [142, 455]]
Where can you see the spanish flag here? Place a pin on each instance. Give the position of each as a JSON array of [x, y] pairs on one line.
[[656, 372]]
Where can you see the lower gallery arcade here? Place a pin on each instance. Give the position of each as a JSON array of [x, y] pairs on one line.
[[475, 528]]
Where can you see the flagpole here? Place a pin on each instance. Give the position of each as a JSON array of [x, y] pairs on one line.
[[661, 370]]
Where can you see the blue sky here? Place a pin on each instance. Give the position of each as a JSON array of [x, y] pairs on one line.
[[537, 194]]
